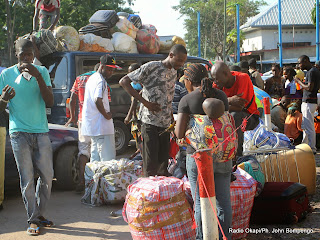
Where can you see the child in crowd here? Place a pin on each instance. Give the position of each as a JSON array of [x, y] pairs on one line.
[[292, 89], [292, 127]]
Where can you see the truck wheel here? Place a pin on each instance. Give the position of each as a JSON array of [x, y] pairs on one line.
[[122, 136], [66, 167]]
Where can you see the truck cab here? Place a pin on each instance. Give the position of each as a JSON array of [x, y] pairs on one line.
[[64, 67]]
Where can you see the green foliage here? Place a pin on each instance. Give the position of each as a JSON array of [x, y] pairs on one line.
[[211, 23], [75, 13], [313, 15]]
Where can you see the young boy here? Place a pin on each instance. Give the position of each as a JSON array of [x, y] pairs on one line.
[[46, 10]]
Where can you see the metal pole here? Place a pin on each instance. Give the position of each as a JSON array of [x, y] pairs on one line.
[[280, 33], [317, 30], [238, 32], [225, 31], [199, 36]]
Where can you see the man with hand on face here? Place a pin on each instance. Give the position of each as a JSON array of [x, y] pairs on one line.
[[158, 80], [28, 128], [239, 90], [96, 116]]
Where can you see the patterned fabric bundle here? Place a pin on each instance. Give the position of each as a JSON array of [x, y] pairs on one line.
[[156, 208], [242, 193], [204, 132], [147, 42], [107, 182]]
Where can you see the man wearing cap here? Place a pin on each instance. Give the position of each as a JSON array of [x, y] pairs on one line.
[[158, 79], [96, 116]]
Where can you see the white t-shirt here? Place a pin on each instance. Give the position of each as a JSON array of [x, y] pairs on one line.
[[93, 122]]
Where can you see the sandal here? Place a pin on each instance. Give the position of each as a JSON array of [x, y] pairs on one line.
[[45, 222], [33, 231]]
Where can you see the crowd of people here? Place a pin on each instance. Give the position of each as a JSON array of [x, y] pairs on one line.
[[223, 93]]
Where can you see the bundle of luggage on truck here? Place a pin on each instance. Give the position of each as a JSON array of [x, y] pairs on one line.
[[107, 31]]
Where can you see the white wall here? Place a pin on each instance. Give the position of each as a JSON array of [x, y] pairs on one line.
[[268, 39]]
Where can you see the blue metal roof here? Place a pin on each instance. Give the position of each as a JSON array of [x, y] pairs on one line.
[[294, 12]]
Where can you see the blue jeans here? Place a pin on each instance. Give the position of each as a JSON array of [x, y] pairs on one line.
[[103, 148], [222, 176], [33, 152]]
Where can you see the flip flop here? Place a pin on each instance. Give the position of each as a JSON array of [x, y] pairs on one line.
[[46, 223], [35, 233]]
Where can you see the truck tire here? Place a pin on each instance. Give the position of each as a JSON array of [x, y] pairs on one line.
[[66, 167], [122, 136]]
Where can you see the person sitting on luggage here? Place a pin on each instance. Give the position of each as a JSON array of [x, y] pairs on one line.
[[292, 125], [46, 11]]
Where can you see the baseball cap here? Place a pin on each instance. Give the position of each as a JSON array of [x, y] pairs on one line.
[[109, 61]]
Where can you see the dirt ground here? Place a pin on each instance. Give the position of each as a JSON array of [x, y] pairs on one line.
[[74, 220]]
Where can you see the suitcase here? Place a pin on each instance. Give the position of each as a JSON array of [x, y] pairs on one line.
[[281, 202], [136, 20], [108, 18], [97, 29]]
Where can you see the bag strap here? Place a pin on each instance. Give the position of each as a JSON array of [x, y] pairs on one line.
[[249, 104]]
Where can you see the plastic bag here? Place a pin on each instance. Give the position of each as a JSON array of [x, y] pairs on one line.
[[124, 43], [127, 27], [92, 43], [67, 37], [147, 42]]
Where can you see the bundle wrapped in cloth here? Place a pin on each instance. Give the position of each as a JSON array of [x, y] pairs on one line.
[[67, 37], [156, 208], [107, 181], [125, 26]]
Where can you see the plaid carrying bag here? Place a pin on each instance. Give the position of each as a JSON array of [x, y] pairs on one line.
[[156, 208], [242, 192]]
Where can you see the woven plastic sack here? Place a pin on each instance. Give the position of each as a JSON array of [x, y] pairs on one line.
[[147, 42], [125, 26], [242, 192], [150, 28], [107, 181], [92, 43], [124, 43], [156, 208], [68, 37], [261, 137]]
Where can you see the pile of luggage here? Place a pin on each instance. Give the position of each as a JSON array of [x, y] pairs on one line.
[[107, 181], [107, 31]]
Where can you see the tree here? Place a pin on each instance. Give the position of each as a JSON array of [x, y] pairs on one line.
[[211, 23], [313, 15], [16, 17]]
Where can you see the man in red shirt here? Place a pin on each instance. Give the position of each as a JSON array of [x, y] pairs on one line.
[[239, 90], [77, 93], [45, 10]]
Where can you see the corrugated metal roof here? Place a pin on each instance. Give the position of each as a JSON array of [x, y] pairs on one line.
[[293, 12]]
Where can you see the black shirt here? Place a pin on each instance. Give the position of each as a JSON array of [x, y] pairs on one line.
[[313, 76], [192, 104]]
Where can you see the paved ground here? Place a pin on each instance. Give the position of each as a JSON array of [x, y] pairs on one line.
[[77, 221]]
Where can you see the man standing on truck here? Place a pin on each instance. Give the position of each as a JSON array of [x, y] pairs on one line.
[[96, 116], [46, 10], [158, 79], [77, 94], [28, 128]]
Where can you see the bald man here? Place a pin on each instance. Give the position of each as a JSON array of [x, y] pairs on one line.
[[239, 90]]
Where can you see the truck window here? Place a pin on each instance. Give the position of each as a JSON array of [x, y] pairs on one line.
[[58, 73]]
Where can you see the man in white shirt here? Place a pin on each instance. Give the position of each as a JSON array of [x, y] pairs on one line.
[[96, 116]]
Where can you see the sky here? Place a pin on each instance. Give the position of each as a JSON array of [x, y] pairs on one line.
[[160, 14]]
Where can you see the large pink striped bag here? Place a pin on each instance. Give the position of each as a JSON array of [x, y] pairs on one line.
[[156, 208]]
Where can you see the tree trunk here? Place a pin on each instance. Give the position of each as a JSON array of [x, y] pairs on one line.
[[9, 32]]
